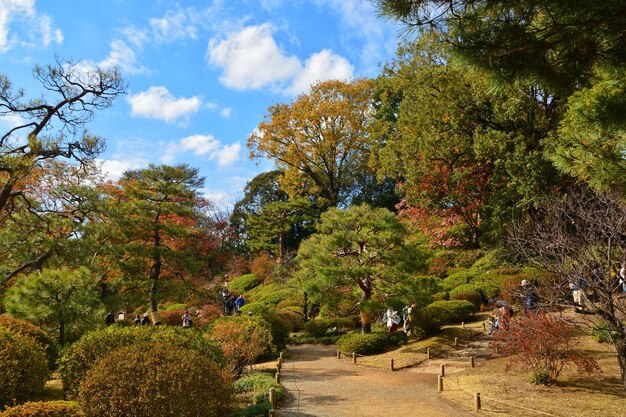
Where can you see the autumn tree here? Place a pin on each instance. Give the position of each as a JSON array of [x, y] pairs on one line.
[[50, 226], [156, 235], [53, 125], [356, 253], [465, 156], [319, 140]]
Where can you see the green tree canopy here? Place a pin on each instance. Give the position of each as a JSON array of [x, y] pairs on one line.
[[64, 301], [357, 253]]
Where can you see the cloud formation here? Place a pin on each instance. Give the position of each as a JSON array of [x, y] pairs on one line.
[[159, 103], [250, 59], [38, 27], [205, 146]]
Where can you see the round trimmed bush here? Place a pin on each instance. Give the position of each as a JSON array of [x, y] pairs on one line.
[[363, 344], [24, 367], [258, 384], [155, 379], [450, 312], [243, 283], [243, 339], [26, 328], [82, 355], [44, 409], [467, 292], [319, 327]]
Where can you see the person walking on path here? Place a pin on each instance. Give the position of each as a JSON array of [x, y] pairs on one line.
[[109, 319], [392, 319], [137, 320], [145, 321], [240, 302]]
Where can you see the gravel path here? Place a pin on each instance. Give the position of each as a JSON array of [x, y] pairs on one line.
[[320, 385]]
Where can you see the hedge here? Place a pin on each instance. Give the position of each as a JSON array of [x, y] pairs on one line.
[[26, 328], [363, 344], [23, 365], [258, 384], [450, 312], [321, 326], [156, 379], [82, 355], [469, 293], [44, 409], [243, 283]]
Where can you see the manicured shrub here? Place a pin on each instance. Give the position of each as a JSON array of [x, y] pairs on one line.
[[26, 328], [321, 326], [82, 355], [243, 339], [363, 344], [257, 384], [469, 293], [172, 306], [256, 309], [44, 409], [273, 294], [155, 379], [424, 322], [466, 276], [450, 312], [206, 314], [542, 344], [294, 320], [173, 317], [23, 365], [242, 284]]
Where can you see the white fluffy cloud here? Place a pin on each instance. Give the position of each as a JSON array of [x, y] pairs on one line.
[[123, 57], [323, 65], [114, 168], [36, 29], [159, 103], [174, 25], [206, 146], [251, 59]]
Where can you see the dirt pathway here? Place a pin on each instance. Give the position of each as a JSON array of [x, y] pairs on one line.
[[320, 385]]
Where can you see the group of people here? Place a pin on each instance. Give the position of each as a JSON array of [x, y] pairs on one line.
[[393, 320], [232, 305]]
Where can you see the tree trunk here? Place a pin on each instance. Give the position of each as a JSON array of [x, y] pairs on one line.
[[155, 271], [366, 318], [281, 248]]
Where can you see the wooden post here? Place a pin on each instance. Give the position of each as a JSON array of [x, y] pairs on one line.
[[353, 357], [391, 364], [484, 327], [477, 401], [427, 353], [463, 324], [442, 372], [338, 354], [272, 395], [272, 413], [439, 383], [278, 366], [281, 357], [278, 377], [471, 361], [456, 341], [280, 361]]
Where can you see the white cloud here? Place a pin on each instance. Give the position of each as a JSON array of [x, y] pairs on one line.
[[251, 59], [159, 103], [123, 57], [200, 144], [175, 25], [35, 29], [137, 37], [226, 112], [323, 65], [207, 146], [227, 155], [114, 168]]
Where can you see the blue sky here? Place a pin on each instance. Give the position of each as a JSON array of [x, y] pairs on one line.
[[201, 74]]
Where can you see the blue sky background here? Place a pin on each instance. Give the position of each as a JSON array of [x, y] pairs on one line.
[[201, 74]]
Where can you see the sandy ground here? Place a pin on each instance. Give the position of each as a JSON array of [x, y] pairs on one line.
[[320, 385]]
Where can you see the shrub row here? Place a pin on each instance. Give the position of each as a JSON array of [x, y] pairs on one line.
[[321, 326], [44, 409]]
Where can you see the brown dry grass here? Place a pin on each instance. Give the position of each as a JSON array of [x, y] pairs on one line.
[[508, 392]]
